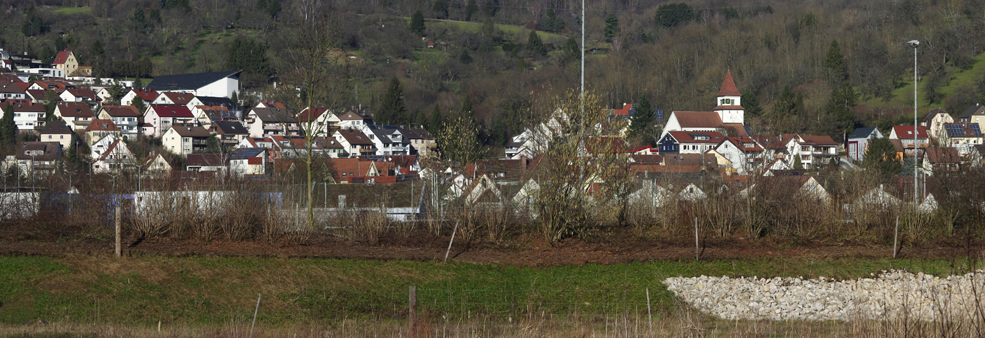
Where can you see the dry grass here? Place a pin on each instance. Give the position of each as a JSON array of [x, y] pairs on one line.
[[684, 322]]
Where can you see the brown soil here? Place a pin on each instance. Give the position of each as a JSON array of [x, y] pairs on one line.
[[607, 247]]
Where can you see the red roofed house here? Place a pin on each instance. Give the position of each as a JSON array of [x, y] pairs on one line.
[[813, 151], [160, 118], [174, 98], [321, 121], [99, 129], [352, 170], [905, 136], [147, 95], [66, 60], [76, 114], [127, 118], [625, 111]]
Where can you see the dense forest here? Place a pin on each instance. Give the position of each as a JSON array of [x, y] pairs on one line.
[[820, 67]]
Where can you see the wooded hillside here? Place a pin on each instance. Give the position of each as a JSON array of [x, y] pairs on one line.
[[817, 67]]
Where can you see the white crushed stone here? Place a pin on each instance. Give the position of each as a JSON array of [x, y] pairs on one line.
[[890, 295]]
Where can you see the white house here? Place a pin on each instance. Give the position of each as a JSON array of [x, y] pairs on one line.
[[28, 116], [267, 122], [813, 151], [689, 142], [321, 121], [146, 95], [934, 121], [174, 98], [159, 118], [184, 140], [248, 161], [350, 120], [744, 153], [116, 158], [858, 142]]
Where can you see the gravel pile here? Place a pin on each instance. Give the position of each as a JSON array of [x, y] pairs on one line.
[[890, 295]]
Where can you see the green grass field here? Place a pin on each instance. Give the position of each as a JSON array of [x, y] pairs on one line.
[[72, 10], [210, 290], [903, 96]]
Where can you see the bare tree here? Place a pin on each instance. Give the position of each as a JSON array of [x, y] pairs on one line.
[[320, 72]]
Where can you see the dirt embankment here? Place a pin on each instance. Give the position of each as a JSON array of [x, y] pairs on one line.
[[612, 246]]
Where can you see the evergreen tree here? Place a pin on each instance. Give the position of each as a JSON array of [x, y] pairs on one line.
[[547, 24], [417, 23], [464, 57], [470, 10], [466, 110], [571, 49], [435, 125], [881, 158], [611, 27], [235, 99], [751, 104], [273, 7], [491, 7], [440, 9], [642, 116], [671, 15], [392, 109], [251, 57], [50, 100], [797, 165], [8, 129], [839, 107], [212, 145], [139, 105], [835, 63], [786, 104], [535, 45], [116, 92]]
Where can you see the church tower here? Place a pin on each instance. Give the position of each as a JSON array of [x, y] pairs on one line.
[[728, 105]]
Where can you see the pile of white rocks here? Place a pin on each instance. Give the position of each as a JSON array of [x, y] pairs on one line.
[[890, 295]]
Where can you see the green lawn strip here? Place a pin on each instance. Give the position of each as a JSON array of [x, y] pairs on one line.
[[210, 290]]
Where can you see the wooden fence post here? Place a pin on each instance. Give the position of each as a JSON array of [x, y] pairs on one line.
[[412, 317], [697, 251], [119, 251]]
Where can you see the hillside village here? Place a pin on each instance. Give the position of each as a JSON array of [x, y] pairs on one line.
[[204, 132]]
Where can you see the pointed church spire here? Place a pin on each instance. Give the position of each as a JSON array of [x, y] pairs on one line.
[[728, 86]]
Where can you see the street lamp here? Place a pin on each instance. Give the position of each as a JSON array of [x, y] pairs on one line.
[[915, 44]]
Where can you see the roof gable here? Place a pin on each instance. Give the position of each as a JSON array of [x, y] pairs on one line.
[[698, 119]]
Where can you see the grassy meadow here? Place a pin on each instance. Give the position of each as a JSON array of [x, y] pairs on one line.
[[212, 292]]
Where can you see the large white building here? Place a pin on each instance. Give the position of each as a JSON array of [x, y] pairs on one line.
[[215, 84], [727, 117]]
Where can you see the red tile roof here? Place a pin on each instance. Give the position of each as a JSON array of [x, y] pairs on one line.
[[163, 110], [624, 111], [907, 131], [728, 87], [304, 115], [146, 94], [818, 140], [62, 57], [99, 125]]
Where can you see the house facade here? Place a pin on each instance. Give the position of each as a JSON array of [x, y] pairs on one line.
[[267, 122], [858, 142], [812, 151], [184, 140], [160, 118]]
